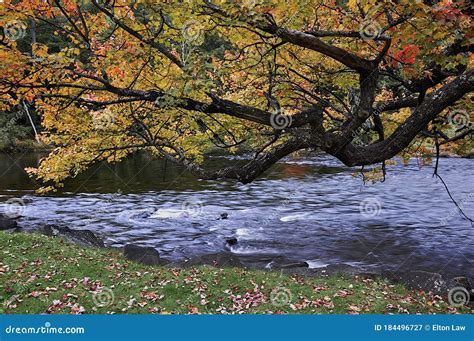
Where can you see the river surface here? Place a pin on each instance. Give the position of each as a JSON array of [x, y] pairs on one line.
[[309, 208]]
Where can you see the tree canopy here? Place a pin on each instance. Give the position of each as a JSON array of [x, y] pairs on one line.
[[360, 80]]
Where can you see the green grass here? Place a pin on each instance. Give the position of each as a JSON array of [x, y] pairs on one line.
[[41, 274]]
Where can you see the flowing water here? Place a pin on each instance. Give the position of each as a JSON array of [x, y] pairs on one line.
[[310, 209]]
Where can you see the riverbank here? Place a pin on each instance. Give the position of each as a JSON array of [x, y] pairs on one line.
[[24, 146], [40, 274]]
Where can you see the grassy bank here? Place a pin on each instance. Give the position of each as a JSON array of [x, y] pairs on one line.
[[41, 274]]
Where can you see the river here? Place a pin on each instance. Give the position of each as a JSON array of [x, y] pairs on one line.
[[310, 208]]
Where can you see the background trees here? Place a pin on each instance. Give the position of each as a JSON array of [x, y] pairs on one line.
[[362, 81]]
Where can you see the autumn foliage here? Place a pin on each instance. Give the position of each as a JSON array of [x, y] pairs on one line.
[[360, 80]]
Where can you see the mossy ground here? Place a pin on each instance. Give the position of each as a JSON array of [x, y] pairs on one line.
[[41, 274]]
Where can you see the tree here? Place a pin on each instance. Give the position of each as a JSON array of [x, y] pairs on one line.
[[359, 80]]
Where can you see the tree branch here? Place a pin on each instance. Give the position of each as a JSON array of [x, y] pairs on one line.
[[431, 107]]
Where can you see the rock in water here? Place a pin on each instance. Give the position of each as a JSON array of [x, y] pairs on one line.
[[223, 216], [285, 263], [231, 241], [221, 259], [144, 255], [7, 223], [81, 237]]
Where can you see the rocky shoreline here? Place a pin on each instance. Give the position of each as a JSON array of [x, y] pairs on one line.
[[414, 280]]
